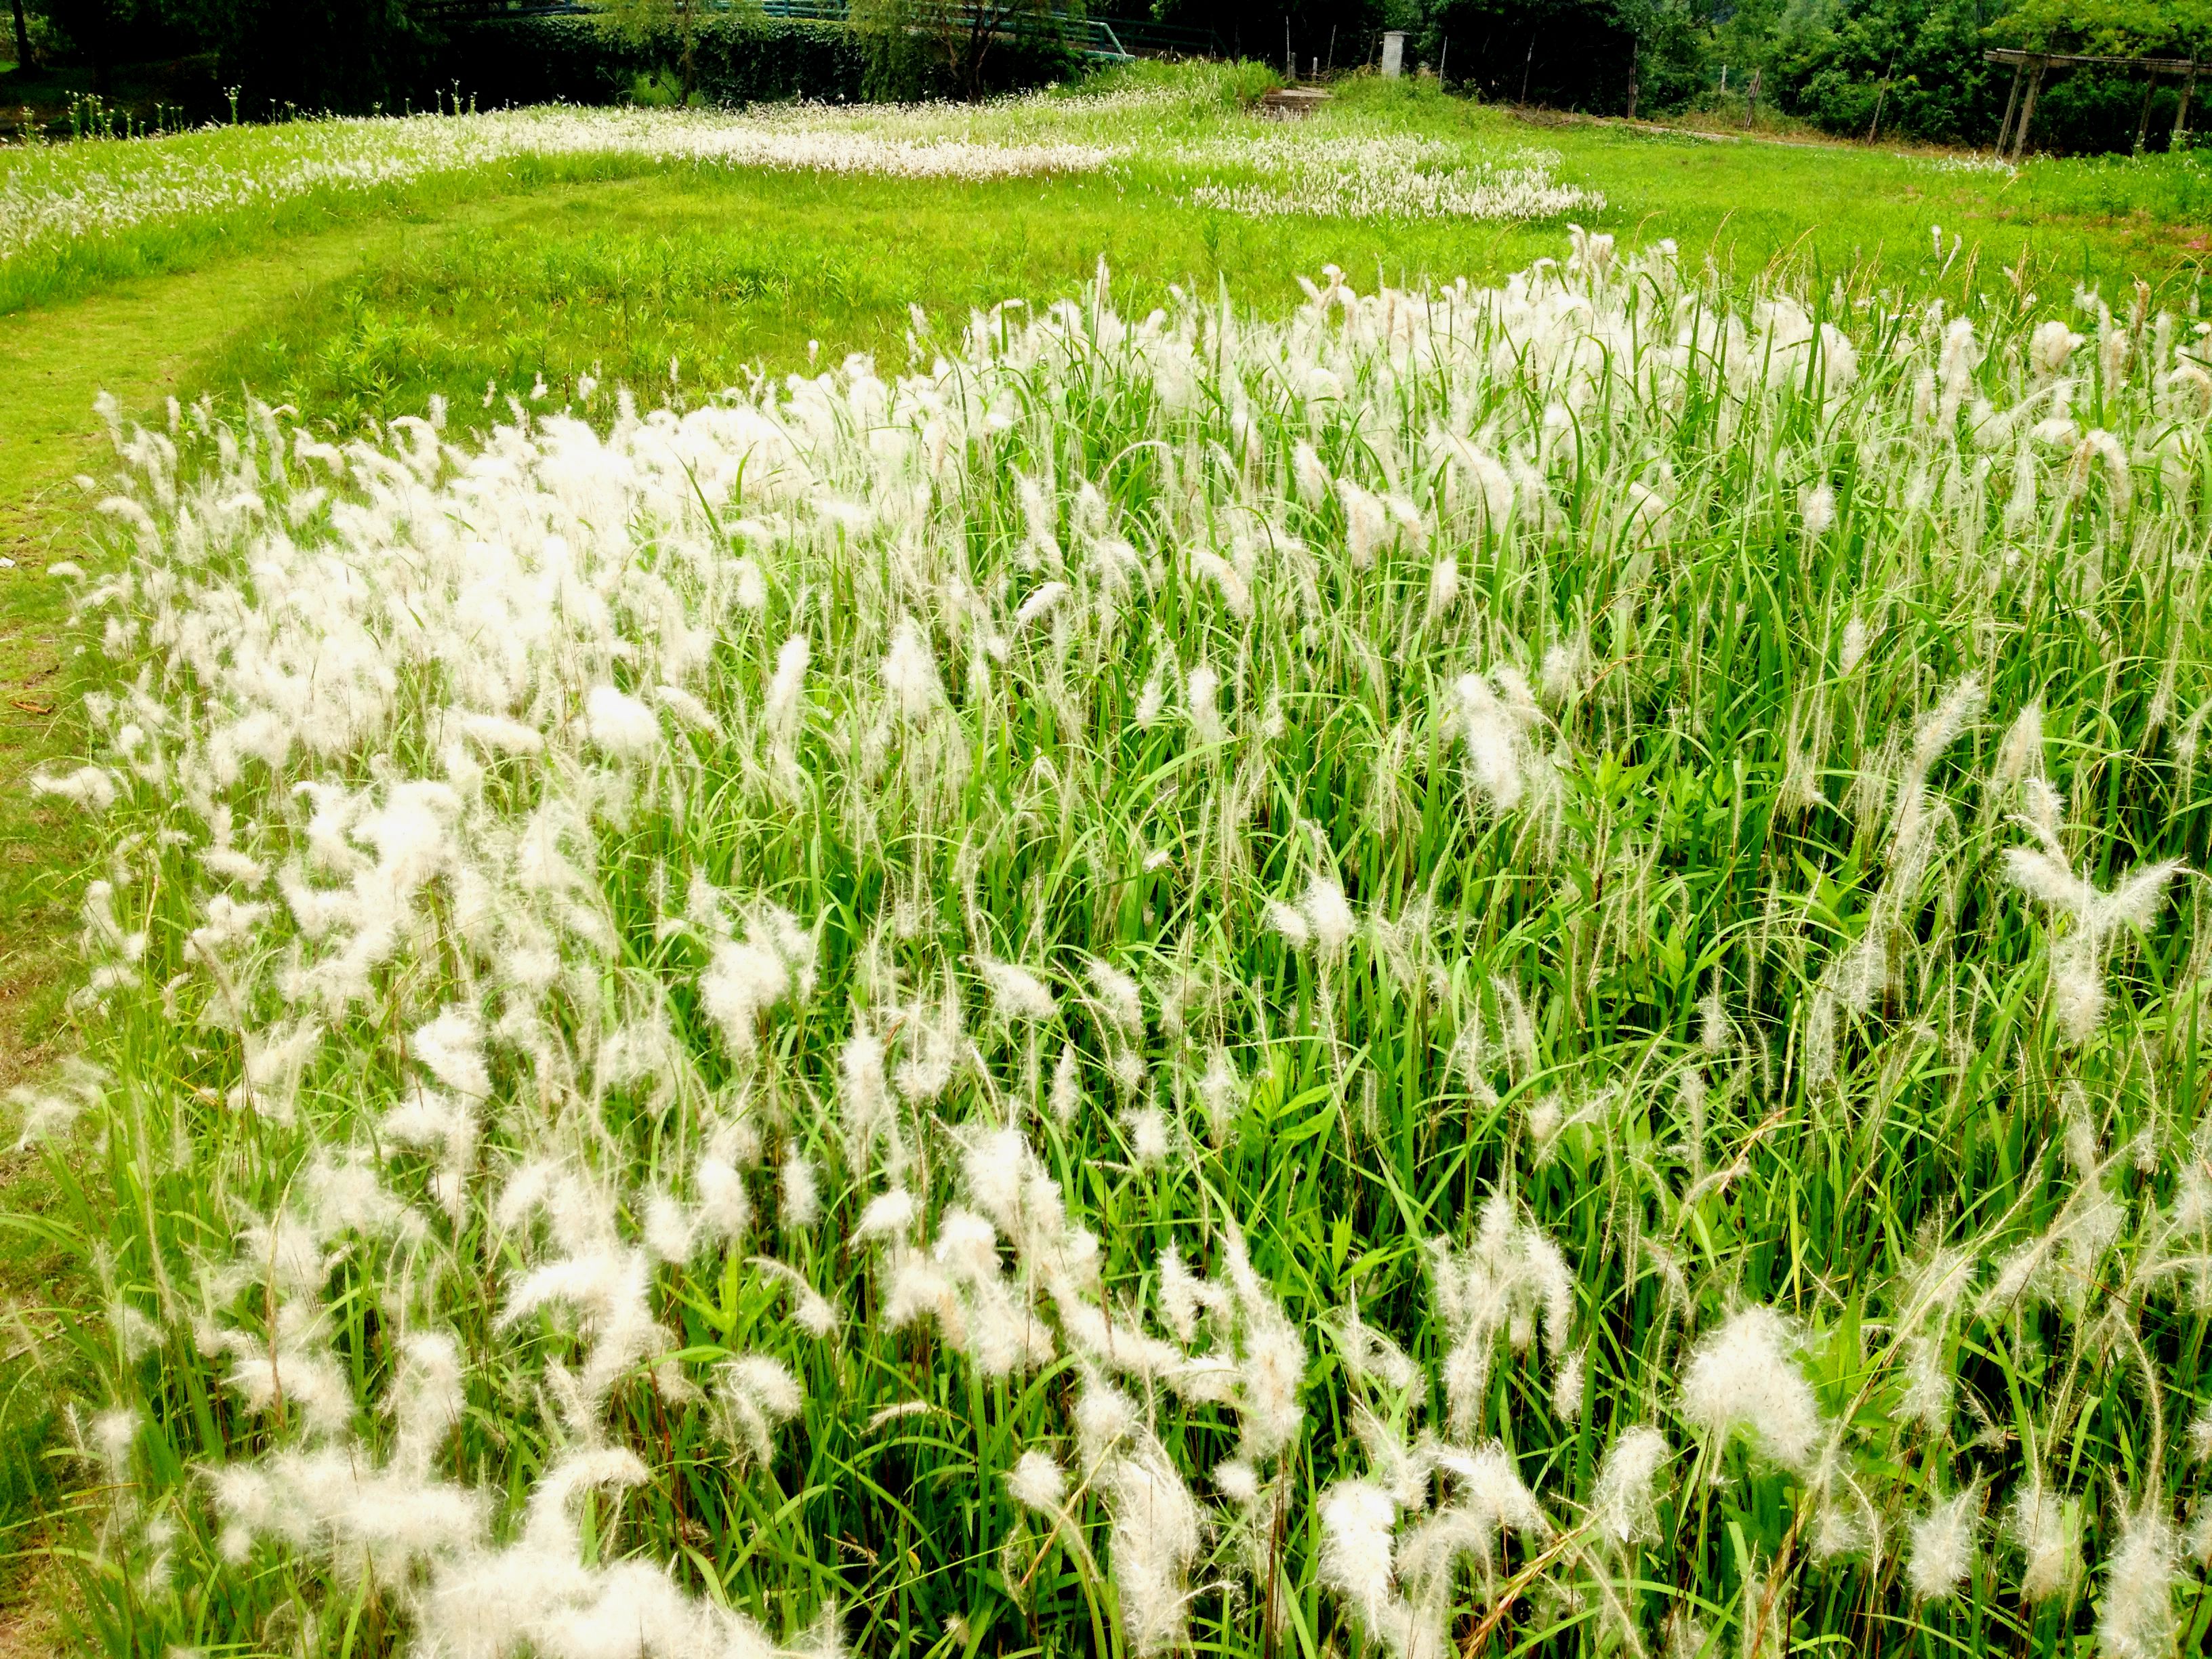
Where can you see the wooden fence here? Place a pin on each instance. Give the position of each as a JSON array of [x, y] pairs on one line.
[[2030, 67]]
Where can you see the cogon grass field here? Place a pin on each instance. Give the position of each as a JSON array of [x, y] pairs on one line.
[[1413, 966]]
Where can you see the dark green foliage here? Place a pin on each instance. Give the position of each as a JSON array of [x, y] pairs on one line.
[[735, 60], [895, 58], [1563, 53], [1915, 69], [103, 33], [531, 60], [1341, 34], [359, 57], [2085, 112], [1577, 54], [749, 62], [915, 49], [1913, 65], [350, 56]]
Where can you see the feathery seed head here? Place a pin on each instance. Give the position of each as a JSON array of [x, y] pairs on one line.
[[1037, 1482], [1941, 1555], [1741, 1377], [620, 725]]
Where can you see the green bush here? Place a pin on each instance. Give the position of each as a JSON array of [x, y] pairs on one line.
[[536, 60], [745, 61]]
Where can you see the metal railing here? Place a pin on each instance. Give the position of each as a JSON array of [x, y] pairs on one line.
[[474, 11], [1110, 39], [1107, 40], [1146, 39]]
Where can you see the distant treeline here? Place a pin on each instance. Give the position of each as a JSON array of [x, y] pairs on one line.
[[1907, 69], [358, 57]]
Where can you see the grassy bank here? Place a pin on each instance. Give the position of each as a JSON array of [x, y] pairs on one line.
[[1700, 960]]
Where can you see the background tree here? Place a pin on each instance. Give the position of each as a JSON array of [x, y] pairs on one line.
[[661, 29], [2119, 28], [924, 48], [343, 55], [1341, 34], [101, 31], [1598, 55], [900, 53]]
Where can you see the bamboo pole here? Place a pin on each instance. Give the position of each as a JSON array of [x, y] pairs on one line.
[[1882, 98], [2181, 115], [2027, 109], [2011, 107]]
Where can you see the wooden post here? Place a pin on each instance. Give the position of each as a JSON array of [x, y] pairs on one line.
[[2012, 106], [2027, 108], [2181, 115], [1751, 100], [1882, 98], [2142, 126]]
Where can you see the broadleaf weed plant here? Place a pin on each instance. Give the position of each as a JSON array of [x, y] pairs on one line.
[[1500, 968]]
